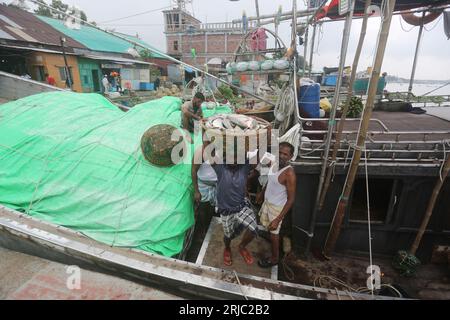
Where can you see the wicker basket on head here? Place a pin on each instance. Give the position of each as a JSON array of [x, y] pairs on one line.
[[251, 139], [157, 145]]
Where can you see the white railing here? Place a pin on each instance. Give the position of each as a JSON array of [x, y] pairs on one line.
[[226, 26]]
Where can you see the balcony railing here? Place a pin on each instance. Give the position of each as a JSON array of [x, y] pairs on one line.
[[211, 27]]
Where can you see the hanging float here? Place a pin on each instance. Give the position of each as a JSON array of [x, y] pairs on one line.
[[422, 19]]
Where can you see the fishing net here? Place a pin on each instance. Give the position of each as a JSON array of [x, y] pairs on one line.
[[406, 263]]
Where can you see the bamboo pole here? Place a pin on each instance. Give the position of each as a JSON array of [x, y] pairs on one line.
[[431, 205], [331, 125], [305, 44], [337, 144], [343, 201], [416, 55], [311, 54]]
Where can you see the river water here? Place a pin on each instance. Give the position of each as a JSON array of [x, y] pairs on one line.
[[419, 89]]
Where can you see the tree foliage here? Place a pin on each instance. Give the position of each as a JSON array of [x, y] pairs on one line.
[[58, 7]]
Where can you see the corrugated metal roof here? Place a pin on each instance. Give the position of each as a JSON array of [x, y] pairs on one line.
[[116, 59], [22, 34], [6, 35], [135, 39], [97, 40], [24, 26], [90, 37]]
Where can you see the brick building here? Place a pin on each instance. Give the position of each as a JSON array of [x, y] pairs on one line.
[[210, 40]]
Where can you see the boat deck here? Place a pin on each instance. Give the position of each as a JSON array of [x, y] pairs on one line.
[[349, 272], [24, 277], [21, 233], [211, 253], [406, 121]]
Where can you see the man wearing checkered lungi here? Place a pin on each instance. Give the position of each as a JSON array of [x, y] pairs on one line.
[[235, 210]]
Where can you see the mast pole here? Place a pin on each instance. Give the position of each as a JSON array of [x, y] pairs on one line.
[[364, 126]]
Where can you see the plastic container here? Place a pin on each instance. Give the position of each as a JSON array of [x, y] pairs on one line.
[[254, 65], [147, 86], [281, 64], [242, 66], [231, 67], [309, 100], [330, 80], [267, 65]]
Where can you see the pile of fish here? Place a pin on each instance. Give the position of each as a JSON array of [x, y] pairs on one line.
[[234, 122]]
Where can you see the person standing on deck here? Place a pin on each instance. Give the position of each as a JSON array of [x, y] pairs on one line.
[[234, 208], [192, 111], [106, 84], [279, 198]]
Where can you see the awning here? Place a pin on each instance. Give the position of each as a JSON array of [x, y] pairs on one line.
[[215, 61], [35, 49], [116, 60]]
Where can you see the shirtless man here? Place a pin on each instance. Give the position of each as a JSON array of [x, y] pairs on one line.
[[192, 111], [279, 198]]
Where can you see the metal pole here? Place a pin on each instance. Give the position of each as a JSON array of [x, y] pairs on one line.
[[331, 125], [416, 55], [311, 54], [305, 43], [364, 126], [66, 65], [257, 12], [340, 130], [140, 45], [294, 45]]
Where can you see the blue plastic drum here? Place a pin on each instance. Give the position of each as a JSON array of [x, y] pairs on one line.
[[309, 100]]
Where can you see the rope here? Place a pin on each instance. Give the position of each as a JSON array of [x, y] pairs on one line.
[[350, 289], [368, 215], [444, 143], [403, 28], [347, 156], [435, 25], [333, 169], [284, 109], [125, 203], [310, 235], [240, 285], [293, 137], [288, 272], [436, 89]]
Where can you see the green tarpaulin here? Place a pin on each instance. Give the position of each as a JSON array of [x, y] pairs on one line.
[[75, 160]]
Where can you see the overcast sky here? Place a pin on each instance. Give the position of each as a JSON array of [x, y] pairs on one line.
[[434, 59]]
